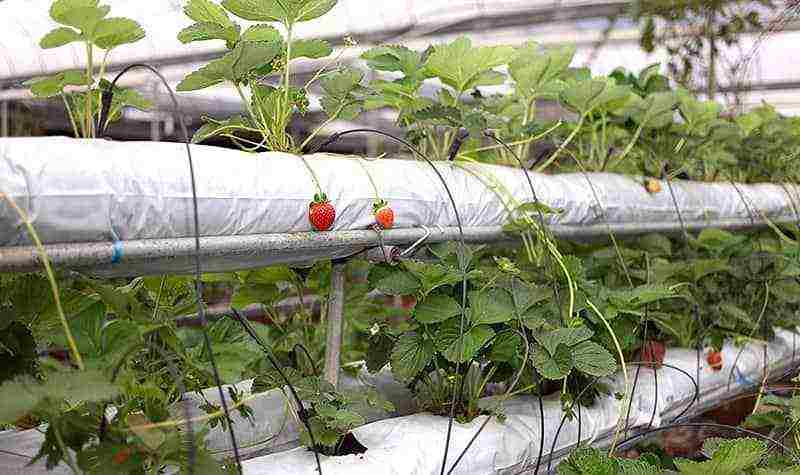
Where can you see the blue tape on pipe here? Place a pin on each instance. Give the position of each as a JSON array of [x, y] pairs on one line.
[[116, 253]]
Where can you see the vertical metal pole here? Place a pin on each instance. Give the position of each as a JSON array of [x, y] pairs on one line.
[[4, 119], [333, 348]]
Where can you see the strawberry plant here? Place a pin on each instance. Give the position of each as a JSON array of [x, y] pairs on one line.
[[261, 51], [87, 22]]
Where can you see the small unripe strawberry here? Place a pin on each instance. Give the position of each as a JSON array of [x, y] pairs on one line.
[[652, 185], [384, 215], [321, 213], [714, 359]]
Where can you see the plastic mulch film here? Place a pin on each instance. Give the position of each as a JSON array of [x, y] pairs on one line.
[[98, 191], [512, 446]]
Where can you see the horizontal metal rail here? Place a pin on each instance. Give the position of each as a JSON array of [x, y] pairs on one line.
[[229, 253]]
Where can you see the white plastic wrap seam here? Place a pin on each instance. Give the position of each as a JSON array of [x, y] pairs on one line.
[[82, 191], [414, 444]]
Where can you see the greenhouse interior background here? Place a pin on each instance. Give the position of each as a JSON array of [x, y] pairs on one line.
[[402, 237]]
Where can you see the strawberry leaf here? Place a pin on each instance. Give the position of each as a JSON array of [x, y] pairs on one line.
[[410, 355]]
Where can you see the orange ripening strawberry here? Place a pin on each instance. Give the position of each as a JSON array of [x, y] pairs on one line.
[[321, 213], [384, 215], [652, 186], [714, 359]]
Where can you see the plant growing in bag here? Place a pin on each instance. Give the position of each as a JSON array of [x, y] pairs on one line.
[[87, 22], [261, 51], [331, 414]]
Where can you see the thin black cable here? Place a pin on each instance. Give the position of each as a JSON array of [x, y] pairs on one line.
[[635, 383], [704, 425], [302, 414], [563, 420], [683, 372], [462, 135], [107, 98], [541, 426], [462, 259], [308, 355]]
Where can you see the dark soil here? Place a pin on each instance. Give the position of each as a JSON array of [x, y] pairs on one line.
[[350, 446]]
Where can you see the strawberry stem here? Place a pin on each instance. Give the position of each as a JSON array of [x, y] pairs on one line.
[[313, 177], [372, 182]]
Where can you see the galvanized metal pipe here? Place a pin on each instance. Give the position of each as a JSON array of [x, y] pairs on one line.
[[333, 348], [229, 253]]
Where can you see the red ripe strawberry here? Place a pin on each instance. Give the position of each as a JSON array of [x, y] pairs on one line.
[[321, 213], [122, 456], [384, 215], [714, 359], [653, 353]]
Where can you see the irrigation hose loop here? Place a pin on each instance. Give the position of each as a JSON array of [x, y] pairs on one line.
[[105, 107]]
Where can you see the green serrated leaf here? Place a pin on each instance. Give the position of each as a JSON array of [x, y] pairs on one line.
[[395, 58], [462, 349], [435, 309], [113, 32], [287, 12], [393, 281], [341, 99], [313, 49], [205, 31], [54, 85], [491, 306], [206, 11], [592, 359], [410, 355], [507, 348], [555, 365], [535, 72], [463, 67], [432, 276], [60, 37], [266, 33], [563, 336]]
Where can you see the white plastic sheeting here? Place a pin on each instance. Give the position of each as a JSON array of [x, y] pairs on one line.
[[414, 445], [102, 191]]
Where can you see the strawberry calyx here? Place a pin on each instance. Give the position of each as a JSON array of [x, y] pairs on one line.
[[320, 198], [378, 205]]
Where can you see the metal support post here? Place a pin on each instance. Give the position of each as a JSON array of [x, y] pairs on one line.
[[333, 348], [4, 119]]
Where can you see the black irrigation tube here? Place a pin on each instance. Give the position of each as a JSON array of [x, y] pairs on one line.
[[706, 425], [302, 414], [493, 136], [462, 255], [107, 98]]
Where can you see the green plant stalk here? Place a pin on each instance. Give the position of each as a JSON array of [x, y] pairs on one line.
[[371, 181], [51, 278], [630, 145], [89, 132], [311, 172], [624, 372], [248, 106], [71, 116], [321, 126], [67, 458], [563, 144], [286, 76]]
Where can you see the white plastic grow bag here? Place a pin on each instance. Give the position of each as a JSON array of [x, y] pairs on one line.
[[414, 445], [97, 190]]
